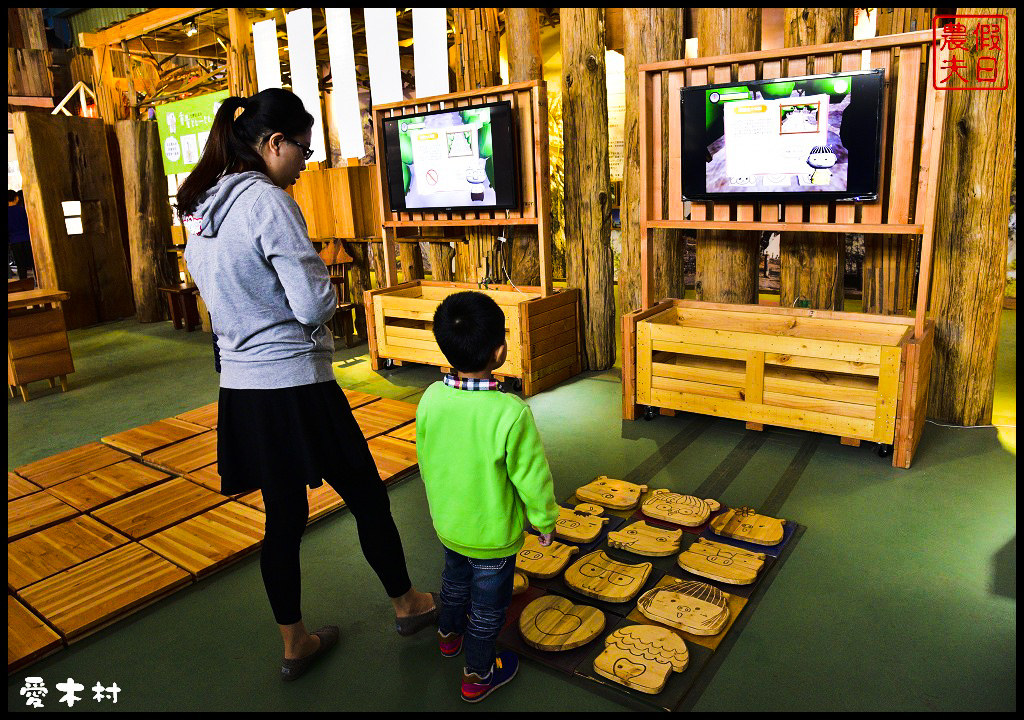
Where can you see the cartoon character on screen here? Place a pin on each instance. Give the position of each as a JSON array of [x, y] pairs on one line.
[[685, 510], [476, 176], [611, 493], [821, 158], [642, 657], [695, 607], [598, 576]]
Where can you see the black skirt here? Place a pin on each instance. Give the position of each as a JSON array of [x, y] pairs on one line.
[[289, 435]]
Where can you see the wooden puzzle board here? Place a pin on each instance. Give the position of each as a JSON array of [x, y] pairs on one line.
[[394, 458], [322, 502], [153, 436], [205, 416], [734, 602], [254, 500], [157, 508], [211, 540], [207, 476], [383, 416], [406, 432], [70, 464], [358, 399], [555, 623], [28, 637], [187, 455], [17, 486], [35, 512], [37, 556], [99, 487], [89, 596]]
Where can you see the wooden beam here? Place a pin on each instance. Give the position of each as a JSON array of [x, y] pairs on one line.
[[136, 26]]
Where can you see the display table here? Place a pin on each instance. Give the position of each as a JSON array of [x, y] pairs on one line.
[[37, 340]]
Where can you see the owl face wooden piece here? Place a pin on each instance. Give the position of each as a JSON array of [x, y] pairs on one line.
[[643, 539], [696, 607], [642, 657], [542, 562], [725, 563], [581, 524], [745, 524], [685, 510], [610, 493], [598, 576], [554, 623]]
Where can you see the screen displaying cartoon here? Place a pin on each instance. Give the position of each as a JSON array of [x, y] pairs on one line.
[[452, 159], [813, 136]]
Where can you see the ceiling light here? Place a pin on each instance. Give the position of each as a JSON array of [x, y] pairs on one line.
[[191, 28]]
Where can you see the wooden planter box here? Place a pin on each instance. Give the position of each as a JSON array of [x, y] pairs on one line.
[[542, 332], [861, 377]]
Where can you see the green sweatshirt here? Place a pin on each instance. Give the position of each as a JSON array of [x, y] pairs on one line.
[[484, 469]]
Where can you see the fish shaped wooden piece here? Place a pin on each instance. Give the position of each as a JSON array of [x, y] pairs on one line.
[[725, 563], [611, 493], [745, 524], [685, 510], [695, 607], [554, 623], [642, 657], [598, 576], [643, 539], [581, 524], [542, 562]]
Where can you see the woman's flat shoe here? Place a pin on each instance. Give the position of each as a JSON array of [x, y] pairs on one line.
[[414, 623], [293, 669]]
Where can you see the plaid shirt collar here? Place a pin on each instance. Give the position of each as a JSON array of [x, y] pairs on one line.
[[453, 381]]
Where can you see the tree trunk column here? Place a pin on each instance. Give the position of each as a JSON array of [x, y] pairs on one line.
[[587, 184]]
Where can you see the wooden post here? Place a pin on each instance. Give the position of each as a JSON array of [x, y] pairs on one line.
[[727, 260], [412, 261], [441, 255], [360, 280], [973, 207], [149, 219], [587, 183], [241, 61], [522, 31], [650, 35]]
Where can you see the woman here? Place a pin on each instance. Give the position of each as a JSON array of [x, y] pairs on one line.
[[283, 421]]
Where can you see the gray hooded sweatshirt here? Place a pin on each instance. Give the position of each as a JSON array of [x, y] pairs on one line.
[[268, 292]]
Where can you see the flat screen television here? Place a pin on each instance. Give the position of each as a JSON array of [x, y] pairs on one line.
[[805, 138], [455, 159]]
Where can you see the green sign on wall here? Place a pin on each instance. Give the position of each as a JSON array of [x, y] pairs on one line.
[[184, 127]]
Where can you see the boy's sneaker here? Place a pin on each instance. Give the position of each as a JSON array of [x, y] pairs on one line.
[[475, 688], [451, 644]]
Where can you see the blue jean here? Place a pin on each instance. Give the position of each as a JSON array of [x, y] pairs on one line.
[[481, 589]]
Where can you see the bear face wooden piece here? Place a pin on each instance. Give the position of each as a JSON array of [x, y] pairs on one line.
[[685, 510], [725, 563], [642, 657], [745, 524], [581, 524], [598, 576], [643, 539], [542, 562], [611, 493], [695, 607], [554, 623]]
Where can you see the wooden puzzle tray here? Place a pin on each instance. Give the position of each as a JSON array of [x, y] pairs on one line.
[[147, 438], [205, 416], [211, 540], [383, 416], [35, 512], [159, 507], [188, 455], [66, 465], [28, 638], [37, 556], [99, 487]]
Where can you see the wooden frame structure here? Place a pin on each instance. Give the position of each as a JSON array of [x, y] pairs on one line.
[[542, 328], [859, 376]]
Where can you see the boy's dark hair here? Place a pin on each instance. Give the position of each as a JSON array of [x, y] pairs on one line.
[[469, 327]]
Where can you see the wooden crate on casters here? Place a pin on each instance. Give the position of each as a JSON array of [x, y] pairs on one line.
[[858, 376], [541, 327]]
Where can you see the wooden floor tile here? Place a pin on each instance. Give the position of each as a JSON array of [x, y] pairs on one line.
[[322, 502], [57, 548], [154, 436], [383, 416], [28, 637], [35, 512], [358, 399], [395, 458], [211, 540], [17, 486], [91, 595], [253, 500], [187, 455], [158, 508], [207, 476], [92, 490], [205, 416], [406, 432], [52, 470]]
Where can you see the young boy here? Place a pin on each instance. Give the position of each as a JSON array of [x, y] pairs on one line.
[[486, 476]]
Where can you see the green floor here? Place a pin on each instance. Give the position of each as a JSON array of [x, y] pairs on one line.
[[900, 595]]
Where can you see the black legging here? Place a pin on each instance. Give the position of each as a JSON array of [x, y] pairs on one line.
[[287, 513]]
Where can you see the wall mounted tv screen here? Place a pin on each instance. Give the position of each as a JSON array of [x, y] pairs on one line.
[[456, 159], [814, 137]]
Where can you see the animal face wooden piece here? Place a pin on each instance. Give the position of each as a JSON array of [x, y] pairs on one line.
[[554, 623], [598, 576], [542, 562], [643, 539], [582, 524], [745, 524], [520, 583], [685, 510], [610, 493], [695, 607], [721, 562], [642, 657]]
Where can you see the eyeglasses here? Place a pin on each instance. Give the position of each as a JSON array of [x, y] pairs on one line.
[[307, 152]]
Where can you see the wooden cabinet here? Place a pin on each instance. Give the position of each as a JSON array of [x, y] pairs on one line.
[[37, 340]]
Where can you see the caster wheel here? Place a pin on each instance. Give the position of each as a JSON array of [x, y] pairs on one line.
[[387, 364], [517, 384], [884, 450], [650, 413]]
